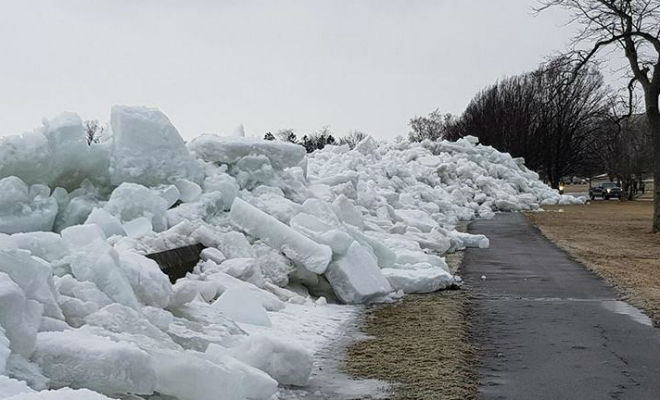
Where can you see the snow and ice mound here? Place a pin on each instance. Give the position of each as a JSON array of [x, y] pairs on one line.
[[283, 234], [147, 149]]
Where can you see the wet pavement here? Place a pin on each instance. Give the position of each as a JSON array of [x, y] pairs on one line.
[[550, 329]]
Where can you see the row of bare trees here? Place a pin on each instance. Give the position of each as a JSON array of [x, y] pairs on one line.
[[552, 120], [563, 124]]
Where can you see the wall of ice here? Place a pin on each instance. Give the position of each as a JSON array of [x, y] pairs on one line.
[[86, 315]]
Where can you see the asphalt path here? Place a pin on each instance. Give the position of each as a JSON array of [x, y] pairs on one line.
[[548, 328]]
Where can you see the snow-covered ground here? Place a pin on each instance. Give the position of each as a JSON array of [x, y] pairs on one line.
[[289, 239]]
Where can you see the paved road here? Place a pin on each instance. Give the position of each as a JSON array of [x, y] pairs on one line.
[[548, 328]]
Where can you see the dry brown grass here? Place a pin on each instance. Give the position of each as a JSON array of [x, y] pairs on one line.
[[614, 240], [421, 345]]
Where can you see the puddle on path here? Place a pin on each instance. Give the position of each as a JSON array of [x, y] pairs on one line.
[[621, 307]]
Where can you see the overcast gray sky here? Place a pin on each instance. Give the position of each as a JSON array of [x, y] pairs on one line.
[[211, 65]]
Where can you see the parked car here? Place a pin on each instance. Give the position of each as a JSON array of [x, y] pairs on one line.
[[605, 190]]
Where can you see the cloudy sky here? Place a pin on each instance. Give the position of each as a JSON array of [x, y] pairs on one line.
[[212, 65]]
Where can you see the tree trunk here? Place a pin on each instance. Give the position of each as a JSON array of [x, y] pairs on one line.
[[653, 115], [626, 187]]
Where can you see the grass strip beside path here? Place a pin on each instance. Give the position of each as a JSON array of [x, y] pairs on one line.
[[420, 344]]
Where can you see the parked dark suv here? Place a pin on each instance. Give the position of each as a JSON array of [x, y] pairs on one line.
[[606, 190]]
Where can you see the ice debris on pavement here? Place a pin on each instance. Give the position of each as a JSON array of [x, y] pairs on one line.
[[287, 235]]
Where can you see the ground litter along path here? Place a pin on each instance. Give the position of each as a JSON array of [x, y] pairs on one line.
[[550, 329]]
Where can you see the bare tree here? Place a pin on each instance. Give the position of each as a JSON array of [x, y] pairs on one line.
[[626, 151], [432, 126], [287, 135], [93, 131], [632, 27], [318, 139], [330, 140], [352, 139]]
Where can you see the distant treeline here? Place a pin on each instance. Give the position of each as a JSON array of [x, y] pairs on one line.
[[316, 140]]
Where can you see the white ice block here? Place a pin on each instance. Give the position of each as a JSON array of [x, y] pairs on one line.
[[147, 148], [421, 280], [239, 304], [230, 150], [21, 213], [287, 362], [34, 276], [315, 257], [97, 363], [355, 276], [192, 376], [19, 316]]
